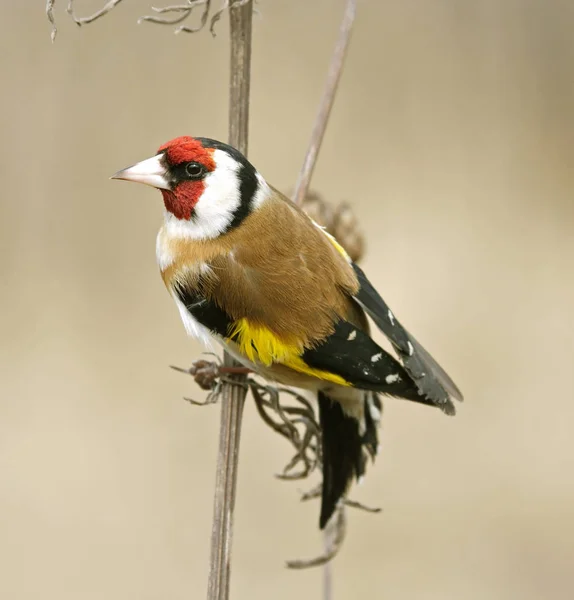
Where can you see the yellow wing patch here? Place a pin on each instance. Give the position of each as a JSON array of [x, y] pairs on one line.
[[259, 344]]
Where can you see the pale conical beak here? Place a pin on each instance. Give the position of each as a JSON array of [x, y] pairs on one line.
[[150, 172]]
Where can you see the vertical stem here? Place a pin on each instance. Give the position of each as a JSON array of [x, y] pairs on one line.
[[304, 179], [240, 76], [233, 396], [322, 118], [327, 573]]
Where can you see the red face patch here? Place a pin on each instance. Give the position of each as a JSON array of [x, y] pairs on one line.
[[186, 194], [188, 149], [181, 202]]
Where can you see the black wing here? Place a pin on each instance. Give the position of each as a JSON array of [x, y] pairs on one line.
[[350, 353], [430, 378]]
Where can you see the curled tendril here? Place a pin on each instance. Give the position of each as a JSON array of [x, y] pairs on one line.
[[173, 14], [293, 417]]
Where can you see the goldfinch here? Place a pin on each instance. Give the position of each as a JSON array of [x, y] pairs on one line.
[[250, 270]]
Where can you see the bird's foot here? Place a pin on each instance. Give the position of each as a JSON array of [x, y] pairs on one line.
[[209, 376]]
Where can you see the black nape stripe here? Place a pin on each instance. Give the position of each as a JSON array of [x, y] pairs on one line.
[[248, 182]]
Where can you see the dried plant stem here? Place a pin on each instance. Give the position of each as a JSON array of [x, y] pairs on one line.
[[327, 574], [240, 21], [322, 118], [166, 15], [332, 537], [233, 396], [50, 15], [108, 6], [225, 486]]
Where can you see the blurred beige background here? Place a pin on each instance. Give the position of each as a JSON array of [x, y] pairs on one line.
[[453, 135]]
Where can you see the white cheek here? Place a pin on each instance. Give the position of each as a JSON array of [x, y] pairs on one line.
[[215, 209], [218, 204]]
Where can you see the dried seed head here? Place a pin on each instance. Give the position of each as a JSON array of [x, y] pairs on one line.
[[340, 221]]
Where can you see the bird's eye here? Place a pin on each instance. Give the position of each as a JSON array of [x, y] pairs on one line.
[[194, 170]]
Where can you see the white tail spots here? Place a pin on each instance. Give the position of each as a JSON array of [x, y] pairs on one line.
[[391, 317], [373, 410], [392, 378], [411, 349], [376, 357], [352, 335]]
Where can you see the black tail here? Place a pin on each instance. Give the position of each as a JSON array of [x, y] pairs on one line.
[[343, 448]]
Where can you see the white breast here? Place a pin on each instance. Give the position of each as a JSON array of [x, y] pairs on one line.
[[165, 258], [163, 253]]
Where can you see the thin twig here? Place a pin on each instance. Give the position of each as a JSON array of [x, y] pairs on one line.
[[183, 11], [328, 542], [316, 493], [332, 540], [334, 74], [175, 14], [50, 15], [297, 424], [334, 537], [108, 6], [361, 506], [240, 17]]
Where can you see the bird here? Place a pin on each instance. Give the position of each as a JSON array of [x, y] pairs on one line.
[[248, 269]]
